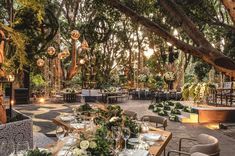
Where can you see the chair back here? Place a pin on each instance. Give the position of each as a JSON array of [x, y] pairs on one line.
[[156, 119], [198, 154], [130, 114], [207, 144], [228, 85]]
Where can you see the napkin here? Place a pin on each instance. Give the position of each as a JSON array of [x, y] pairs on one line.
[[151, 136]]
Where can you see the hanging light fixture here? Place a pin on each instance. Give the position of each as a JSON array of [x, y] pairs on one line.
[[66, 52], [40, 62], [82, 61], [51, 51], [75, 35]]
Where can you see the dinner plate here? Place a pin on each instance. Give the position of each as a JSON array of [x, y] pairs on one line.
[[151, 137]]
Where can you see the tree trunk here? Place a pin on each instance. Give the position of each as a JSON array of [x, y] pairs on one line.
[[73, 67], [204, 50]]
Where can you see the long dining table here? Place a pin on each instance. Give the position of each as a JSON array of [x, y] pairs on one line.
[[154, 150]]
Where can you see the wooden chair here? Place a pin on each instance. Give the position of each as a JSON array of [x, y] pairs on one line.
[[157, 120], [130, 114], [206, 144], [223, 92]]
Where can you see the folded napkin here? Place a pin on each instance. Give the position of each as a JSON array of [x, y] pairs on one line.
[[151, 137]]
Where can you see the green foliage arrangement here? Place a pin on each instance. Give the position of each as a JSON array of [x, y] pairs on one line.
[[170, 109], [38, 152], [197, 91]]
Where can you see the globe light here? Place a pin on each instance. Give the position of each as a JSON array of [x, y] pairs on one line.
[[168, 43], [175, 32], [149, 53], [82, 61], [51, 51], [66, 52], [75, 35], [40, 62]]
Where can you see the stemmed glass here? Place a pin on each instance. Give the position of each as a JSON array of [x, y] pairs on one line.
[[116, 134], [126, 134], [60, 132], [22, 147]]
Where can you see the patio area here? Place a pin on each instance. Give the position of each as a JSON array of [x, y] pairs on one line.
[[44, 113]]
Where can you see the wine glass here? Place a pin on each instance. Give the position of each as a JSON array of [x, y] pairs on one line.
[[60, 132], [126, 134], [22, 147], [116, 134]]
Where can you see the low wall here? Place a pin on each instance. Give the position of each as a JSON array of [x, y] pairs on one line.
[[17, 131]]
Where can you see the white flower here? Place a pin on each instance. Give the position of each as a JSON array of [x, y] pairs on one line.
[[113, 119], [79, 152], [93, 144], [84, 144]]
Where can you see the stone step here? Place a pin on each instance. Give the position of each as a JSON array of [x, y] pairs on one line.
[[185, 119]]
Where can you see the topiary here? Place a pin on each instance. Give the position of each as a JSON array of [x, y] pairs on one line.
[[167, 107], [175, 111], [163, 113], [173, 118], [151, 106], [170, 103], [157, 109], [187, 109], [178, 106]]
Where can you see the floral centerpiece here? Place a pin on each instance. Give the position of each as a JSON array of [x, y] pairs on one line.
[[100, 141]]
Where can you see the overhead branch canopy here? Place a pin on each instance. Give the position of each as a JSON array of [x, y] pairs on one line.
[[203, 48]]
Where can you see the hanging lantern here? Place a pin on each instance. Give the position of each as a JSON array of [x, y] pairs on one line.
[[82, 61], [84, 45], [51, 51], [66, 52], [75, 35], [40, 62], [61, 55]]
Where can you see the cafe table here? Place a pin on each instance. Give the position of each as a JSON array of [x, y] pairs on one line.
[[154, 150]]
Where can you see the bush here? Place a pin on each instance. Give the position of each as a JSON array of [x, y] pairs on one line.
[[157, 109], [151, 106], [175, 111], [170, 103], [187, 109], [163, 113], [167, 108], [178, 106], [173, 118]]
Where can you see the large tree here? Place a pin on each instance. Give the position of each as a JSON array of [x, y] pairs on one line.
[[201, 48]]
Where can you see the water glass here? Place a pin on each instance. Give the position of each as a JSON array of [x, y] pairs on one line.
[[22, 148]]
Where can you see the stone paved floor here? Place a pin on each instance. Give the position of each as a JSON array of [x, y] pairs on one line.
[[43, 114]]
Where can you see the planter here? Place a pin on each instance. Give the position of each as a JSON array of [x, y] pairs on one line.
[[19, 130]]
